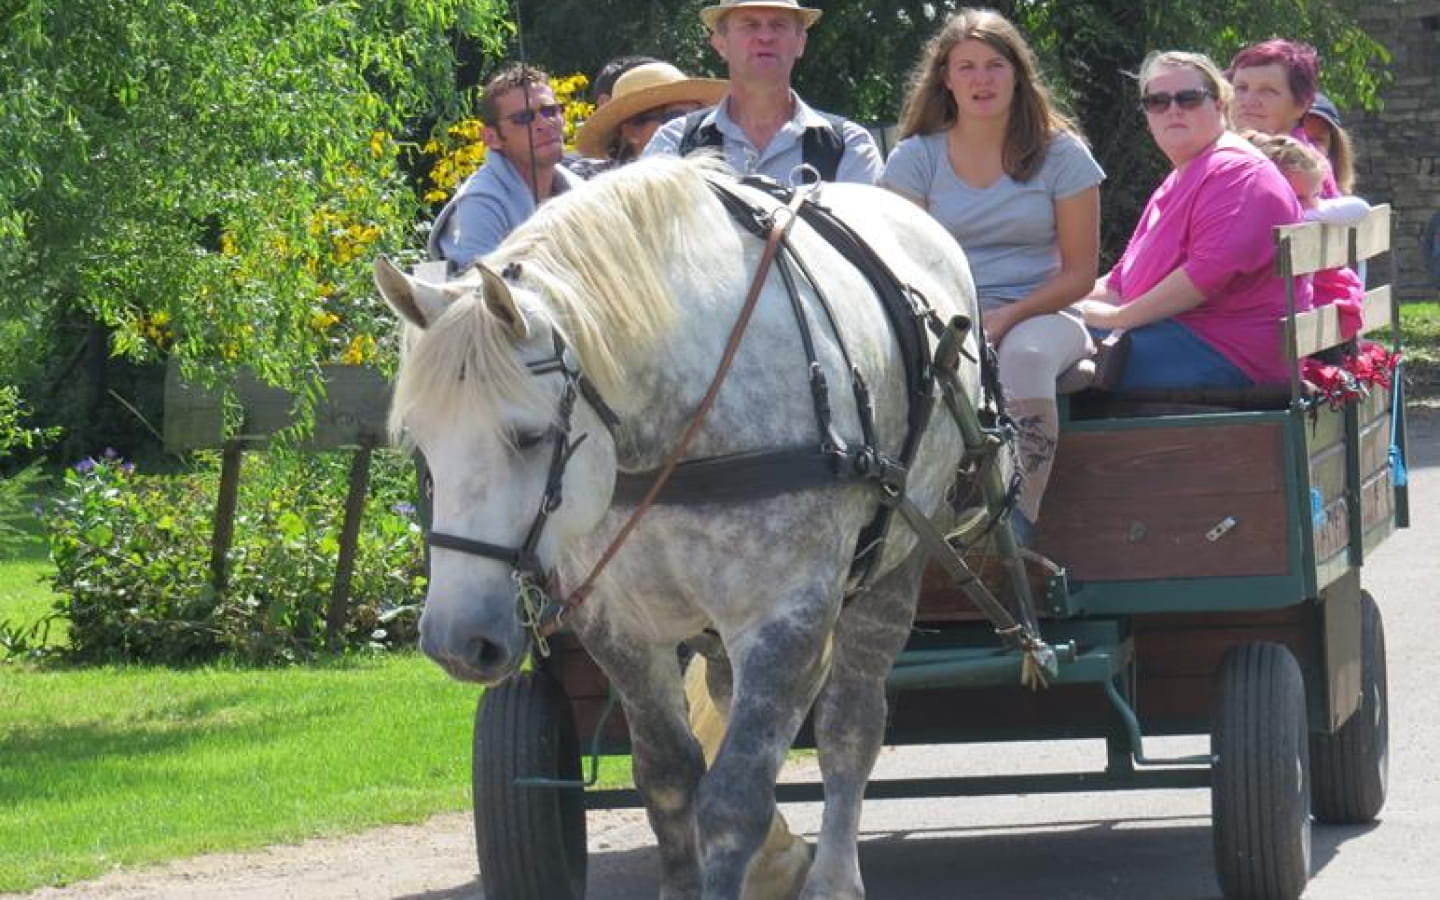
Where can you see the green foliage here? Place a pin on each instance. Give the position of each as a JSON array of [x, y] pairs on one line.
[[132, 557], [18, 479], [202, 175]]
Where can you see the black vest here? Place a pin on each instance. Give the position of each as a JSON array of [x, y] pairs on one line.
[[821, 146]]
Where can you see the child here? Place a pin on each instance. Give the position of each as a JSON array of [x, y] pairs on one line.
[[1304, 169]]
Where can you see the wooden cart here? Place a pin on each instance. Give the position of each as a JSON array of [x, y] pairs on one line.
[[1212, 549]]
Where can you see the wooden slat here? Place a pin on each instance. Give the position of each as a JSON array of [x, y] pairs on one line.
[[1372, 236], [353, 413], [1317, 329], [1312, 247], [1377, 312]]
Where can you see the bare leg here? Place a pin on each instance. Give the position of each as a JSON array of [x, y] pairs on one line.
[[850, 722]]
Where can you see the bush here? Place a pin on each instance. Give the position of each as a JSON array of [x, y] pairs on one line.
[[132, 554]]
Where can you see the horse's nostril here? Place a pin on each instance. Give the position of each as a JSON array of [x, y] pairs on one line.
[[487, 655]]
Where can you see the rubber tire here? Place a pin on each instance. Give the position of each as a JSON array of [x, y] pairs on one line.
[[529, 841], [1350, 768], [1260, 790]]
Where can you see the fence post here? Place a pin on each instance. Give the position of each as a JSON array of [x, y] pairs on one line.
[[225, 504], [349, 542]]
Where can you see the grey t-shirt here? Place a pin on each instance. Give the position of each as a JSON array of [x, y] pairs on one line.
[[1007, 229]]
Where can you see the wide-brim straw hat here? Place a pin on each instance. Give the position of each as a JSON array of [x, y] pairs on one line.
[[645, 87], [711, 14]]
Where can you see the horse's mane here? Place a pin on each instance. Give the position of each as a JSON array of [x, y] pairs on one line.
[[595, 261]]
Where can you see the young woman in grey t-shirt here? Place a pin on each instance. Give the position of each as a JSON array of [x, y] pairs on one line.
[[986, 151]]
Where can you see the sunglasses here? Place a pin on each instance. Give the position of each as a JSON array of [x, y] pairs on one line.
[[526, 116], [660, 116], [1158, 103]]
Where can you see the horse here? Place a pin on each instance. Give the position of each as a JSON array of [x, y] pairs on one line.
[[573, 357]]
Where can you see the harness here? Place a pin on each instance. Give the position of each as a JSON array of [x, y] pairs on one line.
[[821, 146], [766, 473]]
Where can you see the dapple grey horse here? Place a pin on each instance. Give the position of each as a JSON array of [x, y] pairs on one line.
[[631, 284]]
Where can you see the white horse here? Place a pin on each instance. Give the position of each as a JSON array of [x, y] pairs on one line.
[[641, 275]]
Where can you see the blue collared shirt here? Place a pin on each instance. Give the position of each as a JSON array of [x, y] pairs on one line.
[[489, 205], [860, 162]]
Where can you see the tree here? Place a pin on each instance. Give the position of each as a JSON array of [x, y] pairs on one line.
[[209, 178]]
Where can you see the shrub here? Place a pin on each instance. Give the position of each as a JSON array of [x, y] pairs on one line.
[[132, 554]]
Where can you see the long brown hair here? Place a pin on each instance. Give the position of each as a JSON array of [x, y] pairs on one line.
[[1034, 116]]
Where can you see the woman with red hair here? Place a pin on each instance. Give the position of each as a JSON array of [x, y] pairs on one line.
[[1275, 84]]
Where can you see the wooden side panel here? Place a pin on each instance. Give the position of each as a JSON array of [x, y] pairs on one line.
[[1168, 503]]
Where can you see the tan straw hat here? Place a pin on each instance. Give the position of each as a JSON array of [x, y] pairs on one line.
[[711, 14], [645, 87]]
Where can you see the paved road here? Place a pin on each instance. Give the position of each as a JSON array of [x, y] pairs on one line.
[[1151, 844]]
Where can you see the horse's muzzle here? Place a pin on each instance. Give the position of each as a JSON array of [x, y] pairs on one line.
[[469, 654]]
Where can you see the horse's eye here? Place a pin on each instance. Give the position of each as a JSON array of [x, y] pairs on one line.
[[528, 440]]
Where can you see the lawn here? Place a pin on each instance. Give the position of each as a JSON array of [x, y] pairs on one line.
[[119, 766]]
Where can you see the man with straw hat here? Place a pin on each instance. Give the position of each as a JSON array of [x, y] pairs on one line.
[[643, 98], [762, 125]]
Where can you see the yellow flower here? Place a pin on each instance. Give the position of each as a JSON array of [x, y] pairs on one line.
[[362, 347], [228, 244], [378, 140], [323, 320]]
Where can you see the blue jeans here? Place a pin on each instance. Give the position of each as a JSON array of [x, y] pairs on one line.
[[1166, 354]]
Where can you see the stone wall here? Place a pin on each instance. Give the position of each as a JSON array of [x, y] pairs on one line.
[[1398, 147]]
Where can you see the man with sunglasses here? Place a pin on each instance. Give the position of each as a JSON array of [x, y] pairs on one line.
[[762, 125], [524, 138]]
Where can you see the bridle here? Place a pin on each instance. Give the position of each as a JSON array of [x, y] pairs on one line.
[[536, 609], [527, 571]]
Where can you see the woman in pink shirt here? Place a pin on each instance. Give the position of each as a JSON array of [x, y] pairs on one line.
[[1276, 83], [1196, 288]]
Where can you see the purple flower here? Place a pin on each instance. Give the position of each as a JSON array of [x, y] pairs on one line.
[[110, 454], [85, 466], [127, 468], [403, 509]]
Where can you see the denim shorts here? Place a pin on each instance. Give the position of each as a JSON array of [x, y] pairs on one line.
[[1166, 354]]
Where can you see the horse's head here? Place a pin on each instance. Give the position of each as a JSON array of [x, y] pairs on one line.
[[519, 453]]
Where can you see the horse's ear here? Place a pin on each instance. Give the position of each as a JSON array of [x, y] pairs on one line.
[[416, 301], [501, 302]]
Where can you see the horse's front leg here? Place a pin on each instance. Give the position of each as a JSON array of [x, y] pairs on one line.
[[850, 722], [777, 671], [666, 759]]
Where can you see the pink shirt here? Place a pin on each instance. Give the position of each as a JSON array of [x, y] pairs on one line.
[[1214, 219]]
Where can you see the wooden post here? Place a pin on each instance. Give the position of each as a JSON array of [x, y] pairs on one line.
[[349, 542], [225, 515]]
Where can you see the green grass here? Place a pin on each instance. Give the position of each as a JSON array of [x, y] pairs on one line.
[[119, 766], [1420, 335]]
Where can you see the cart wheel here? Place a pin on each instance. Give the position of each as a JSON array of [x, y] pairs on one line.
[[1350, 768], [1260, 793], [530, 841]]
